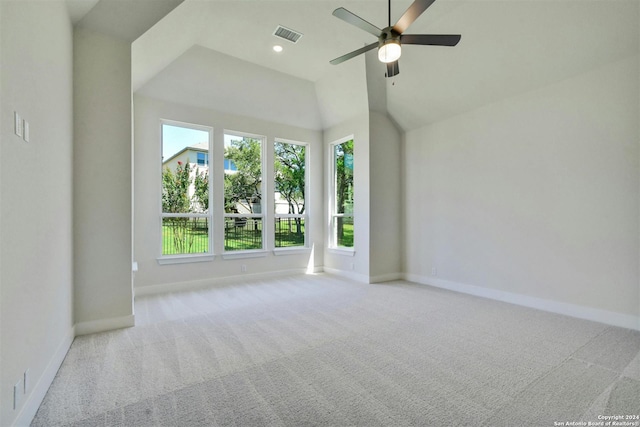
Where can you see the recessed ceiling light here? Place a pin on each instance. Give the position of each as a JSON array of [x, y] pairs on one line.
[[277, 48]]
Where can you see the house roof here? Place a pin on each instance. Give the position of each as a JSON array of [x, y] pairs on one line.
[[202, 147]]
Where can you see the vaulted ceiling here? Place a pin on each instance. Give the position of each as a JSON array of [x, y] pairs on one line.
[[508, 47]]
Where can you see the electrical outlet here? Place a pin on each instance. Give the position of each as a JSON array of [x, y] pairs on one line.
[[434, 271], [243, 268]]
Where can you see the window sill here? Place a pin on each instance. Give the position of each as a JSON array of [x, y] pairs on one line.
[[291, 251], [342, 251], [244, 254], [184, 259]]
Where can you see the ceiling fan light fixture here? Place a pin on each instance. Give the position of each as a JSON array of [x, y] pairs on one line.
[[389, 51]]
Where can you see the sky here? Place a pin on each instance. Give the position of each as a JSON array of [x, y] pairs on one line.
[[175, 138]]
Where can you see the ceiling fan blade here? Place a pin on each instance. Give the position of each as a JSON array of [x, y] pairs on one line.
[[411, 14], [392, 69], [431, 39], [354, 19], [350, 55]]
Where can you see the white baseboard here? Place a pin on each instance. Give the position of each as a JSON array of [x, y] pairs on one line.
[[39, 390], [362, 278], [101, 325], [316, 269], [588, 313], [386, 277], [193, 285]]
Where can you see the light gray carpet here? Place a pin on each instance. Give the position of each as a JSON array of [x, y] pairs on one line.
[[325, 351]]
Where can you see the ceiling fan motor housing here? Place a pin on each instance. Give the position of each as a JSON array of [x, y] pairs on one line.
[[388, 34]]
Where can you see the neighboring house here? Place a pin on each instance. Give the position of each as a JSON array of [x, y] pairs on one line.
[[282, 205], [197, 156]]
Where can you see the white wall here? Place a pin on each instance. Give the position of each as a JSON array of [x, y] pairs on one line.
[[153, 277], [102, 182], [536, 195], [36, 201], [204, 78], [342, 95], [386, 208]]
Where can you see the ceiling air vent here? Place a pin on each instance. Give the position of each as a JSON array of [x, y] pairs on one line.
[[287, 34]]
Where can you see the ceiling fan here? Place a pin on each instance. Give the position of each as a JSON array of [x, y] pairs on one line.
[[391, 38]]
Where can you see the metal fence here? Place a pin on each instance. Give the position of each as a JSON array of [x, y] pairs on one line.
[[241, 233], [185, 236], [191, 235], [289, 232]]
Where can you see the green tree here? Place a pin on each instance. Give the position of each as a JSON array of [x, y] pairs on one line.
[[175, 199], [289, 170], [344, 177], [243, 187], [343, 155], [175, 189], [201, 191]]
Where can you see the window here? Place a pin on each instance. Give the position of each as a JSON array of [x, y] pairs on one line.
[[229, 166], [342, 197], [243, 181], [289, 198], [240, 211], [203, 159], [186, 216]]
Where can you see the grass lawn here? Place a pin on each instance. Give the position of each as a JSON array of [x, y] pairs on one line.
[[242, 234], [346, 239], [287, 233]]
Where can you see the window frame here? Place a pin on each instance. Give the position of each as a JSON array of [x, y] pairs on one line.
[[333, 214], [305, 215], [187, 257]]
